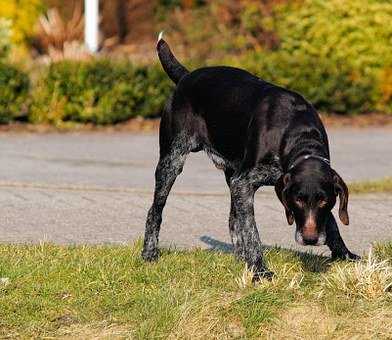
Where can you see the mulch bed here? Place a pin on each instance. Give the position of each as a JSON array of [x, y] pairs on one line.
[[151, 125], [358, 121]]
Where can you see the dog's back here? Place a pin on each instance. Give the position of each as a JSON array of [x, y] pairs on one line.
[[228, 109]]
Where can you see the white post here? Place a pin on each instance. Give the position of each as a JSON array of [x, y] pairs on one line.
[[91, 17]]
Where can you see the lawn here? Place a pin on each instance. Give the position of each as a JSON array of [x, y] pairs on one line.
[[376, 186], [109, 292]]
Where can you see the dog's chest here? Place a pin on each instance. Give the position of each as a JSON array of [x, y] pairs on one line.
[[266, 173], [219, 161]]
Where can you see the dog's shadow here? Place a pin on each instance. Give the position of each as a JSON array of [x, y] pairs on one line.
[[310, 262]]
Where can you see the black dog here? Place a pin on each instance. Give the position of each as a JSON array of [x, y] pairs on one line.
[[258, 134]]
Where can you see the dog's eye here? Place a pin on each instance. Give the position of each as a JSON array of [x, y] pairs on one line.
[[299, 201], [322, 203]]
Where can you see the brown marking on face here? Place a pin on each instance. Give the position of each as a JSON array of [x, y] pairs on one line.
[[309, 230]]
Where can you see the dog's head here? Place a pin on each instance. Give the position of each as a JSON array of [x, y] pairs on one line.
[[308, 193]]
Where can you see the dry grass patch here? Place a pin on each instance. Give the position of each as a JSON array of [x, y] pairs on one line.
[[303, 321], [206, 319], [368, 279], [311, 321], [101, 331], [381, 185]]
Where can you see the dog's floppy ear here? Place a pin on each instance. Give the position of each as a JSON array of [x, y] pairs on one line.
[[341, 190], [281, 189]]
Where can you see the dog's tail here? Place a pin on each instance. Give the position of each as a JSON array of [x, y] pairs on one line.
[[170, 64]]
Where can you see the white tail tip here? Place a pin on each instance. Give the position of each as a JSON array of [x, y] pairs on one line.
[[160, 36]]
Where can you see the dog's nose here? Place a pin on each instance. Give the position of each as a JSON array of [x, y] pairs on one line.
[[310, 241]]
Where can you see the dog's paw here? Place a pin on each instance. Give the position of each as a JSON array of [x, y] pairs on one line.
[[262, 274], [352, 257], [349, 256], [150, 255]]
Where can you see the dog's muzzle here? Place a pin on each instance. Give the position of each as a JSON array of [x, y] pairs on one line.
[[317, 240]]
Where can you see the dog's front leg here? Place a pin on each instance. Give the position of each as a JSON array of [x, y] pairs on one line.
[[243, 230], [335, 242]]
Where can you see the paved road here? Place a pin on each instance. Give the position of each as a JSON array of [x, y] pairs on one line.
[[96, 188]]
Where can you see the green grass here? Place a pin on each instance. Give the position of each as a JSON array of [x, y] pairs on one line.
[[109, 292], [381, 185]]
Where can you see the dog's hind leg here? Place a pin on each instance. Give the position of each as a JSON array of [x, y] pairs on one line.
[[169, 167], [335, 242], [242, 224]]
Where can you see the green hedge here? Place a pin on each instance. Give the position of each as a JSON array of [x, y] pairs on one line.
[[99, 92], [337, 53], [14, 93]]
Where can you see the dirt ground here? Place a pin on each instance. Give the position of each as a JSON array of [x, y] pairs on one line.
[[151, 125]]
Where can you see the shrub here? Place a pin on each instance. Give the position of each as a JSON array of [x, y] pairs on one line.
[[14, 91], [99, 92], [23, 15], [5, 38], [331, 86], [337, 53]]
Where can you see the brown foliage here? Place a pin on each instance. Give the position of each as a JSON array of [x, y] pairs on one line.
[[54, 31]]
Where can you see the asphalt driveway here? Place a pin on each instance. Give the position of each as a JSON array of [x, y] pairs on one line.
[[97, 187]]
